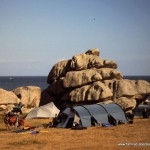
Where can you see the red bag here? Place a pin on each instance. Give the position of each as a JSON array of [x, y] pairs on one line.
[[21, 122], [12, 119]]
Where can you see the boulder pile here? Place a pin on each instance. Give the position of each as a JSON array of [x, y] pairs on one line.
[[89, 79], [27, 95]]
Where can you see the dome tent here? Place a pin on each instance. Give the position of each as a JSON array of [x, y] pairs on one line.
[[91, 115], [46, 111]]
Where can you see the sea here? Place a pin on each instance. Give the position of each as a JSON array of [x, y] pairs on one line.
[[11, 82]]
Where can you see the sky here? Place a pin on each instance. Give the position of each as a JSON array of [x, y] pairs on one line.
[[36, 34]]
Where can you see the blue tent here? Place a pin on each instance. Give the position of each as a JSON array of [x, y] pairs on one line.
[[91, 115]]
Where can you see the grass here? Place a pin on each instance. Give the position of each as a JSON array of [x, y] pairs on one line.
[[25, 142], [65, 139], [1, 117]]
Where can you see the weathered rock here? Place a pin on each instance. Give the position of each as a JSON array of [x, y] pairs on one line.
[[125, 103], [142, 87], [84, 77], [94, 51], [28, 95], [3, 107], [59, 70], [57, 87], [26, 110], [96, 91], [83, 61], [110, 84], [76, 95], [127, 88], [106, 101], [46, 97], [8, 97], [99, 91], [148, 89], [110, 64], [88, 79], [80, 78], [109, 73], [9, 108]]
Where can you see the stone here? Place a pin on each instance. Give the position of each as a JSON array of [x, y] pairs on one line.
[[3, 107], [110, 64], [8, 97], [142, 87], [83, 61], [89, 79], [46, 97], [96, 91], [99, 91], [9, 108], [110, 73], [125, 88], [57, 87], [80, 78], [76, 95], [59, 70], [94, 51], [28, 95], [126, 103], [26, 110], [106, 101]]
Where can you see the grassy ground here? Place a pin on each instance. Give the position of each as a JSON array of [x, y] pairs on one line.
[[93, 138]]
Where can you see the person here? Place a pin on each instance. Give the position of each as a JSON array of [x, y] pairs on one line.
[[17, 109], [145, 113]]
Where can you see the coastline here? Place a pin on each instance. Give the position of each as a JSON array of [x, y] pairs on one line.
[[11, 82]]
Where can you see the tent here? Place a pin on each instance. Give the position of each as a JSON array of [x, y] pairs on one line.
[[91, 115], [46, 111]]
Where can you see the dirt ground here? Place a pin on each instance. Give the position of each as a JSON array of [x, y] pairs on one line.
[[122, 137]]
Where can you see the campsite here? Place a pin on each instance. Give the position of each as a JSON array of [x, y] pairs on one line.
[[124, 136], [87, 105]]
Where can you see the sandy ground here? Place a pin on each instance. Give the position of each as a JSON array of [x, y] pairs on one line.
[[128, 136]]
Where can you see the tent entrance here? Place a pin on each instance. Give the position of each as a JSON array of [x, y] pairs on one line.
[[70, 123]]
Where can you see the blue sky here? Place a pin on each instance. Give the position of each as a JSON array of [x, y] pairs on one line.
[[36, 34]]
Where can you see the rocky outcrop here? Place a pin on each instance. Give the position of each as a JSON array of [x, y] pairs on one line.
[[126, 103], [84, 61], [8, 97], [94, 51], [7, 100], [80, 78], [96, 91], [59, 70], [87, 78], [28, 95]]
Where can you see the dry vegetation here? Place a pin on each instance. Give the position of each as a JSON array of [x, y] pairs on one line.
[[93, 138]]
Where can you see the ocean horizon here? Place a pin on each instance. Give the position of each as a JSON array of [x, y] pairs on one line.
[[11, 82]]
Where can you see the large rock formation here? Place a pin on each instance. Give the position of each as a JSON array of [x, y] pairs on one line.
[[88, 79], [29, 95], [8, 97]]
